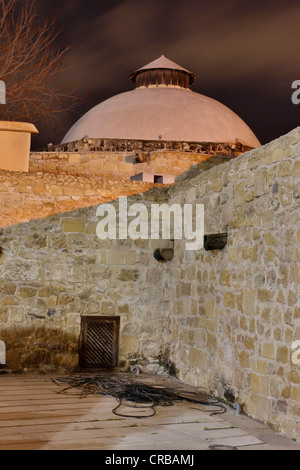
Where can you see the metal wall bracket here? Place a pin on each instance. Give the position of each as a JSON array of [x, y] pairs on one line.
[[216, 241]]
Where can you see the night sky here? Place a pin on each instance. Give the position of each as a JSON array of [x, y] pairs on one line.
[[245, 53]]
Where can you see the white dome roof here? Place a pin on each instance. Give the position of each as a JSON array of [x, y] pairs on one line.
[[162, 113]]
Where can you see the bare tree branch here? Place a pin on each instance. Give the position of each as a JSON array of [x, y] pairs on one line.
[[31, 65]]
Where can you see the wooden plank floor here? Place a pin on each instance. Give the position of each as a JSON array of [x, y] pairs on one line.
[[34, 417]]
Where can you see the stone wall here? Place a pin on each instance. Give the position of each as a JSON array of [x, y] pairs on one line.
[[59, 182], [26, 196], [113, 164], [55, 270], [233, 314], [87, 144]]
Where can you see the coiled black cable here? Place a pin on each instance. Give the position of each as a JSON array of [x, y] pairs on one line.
[[135, 394]]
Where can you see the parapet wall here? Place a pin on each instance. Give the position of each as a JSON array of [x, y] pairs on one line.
[[113, 164], [26, 196], [59, 182], [87, 144]]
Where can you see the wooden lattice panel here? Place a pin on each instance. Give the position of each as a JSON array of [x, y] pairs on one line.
[[99, 341]]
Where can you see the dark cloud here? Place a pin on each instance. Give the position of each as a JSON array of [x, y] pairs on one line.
[[244, 53]]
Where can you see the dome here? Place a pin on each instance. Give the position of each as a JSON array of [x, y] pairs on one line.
[[162, 107]]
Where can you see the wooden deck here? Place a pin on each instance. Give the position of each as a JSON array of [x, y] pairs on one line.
[[34, 417]]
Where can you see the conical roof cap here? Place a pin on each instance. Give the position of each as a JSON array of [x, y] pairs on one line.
[[163, 63]]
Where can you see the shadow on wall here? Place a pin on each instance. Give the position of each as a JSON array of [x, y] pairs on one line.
[[36, 347]]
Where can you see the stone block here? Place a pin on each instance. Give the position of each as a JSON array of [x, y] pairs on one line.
[[108, 308], [217, 184], [9, 289], [270, 239], [239, 193], [55, 271], [273, 155], [229, 300], [259, 406], [209, 306], [284, 197], [282, 355], [153, 275], [250, 301], [74, 159], [284, 168], [260, 182], [116, 256], [262, 367], [296, 169], [130, 257], [296, 393], [197, 358], [16, 315], [224, 277], [127, 275], [244, 359], [269, 351], [249, 343], [265, 295], [22, 270], [73, 225], [129, 345], [255, 383], [27, 292]]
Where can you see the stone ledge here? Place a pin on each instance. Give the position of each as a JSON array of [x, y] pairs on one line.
[[129, 145]]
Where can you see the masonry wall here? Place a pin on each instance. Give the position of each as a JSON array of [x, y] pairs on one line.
[[28, 196], [55, 270], [88, 144], [113, 164], [233, 314]]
